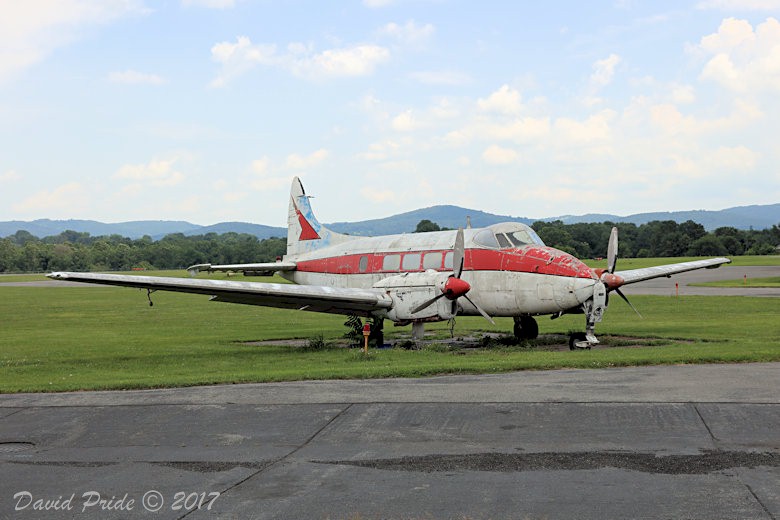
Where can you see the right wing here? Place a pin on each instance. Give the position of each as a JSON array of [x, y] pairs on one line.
[[267, 267], [648, 273], [286, 296]]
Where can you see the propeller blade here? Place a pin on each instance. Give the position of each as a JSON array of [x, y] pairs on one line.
[[426, 304], [458, 253], [483, 313], [620, 293], [612, 250]]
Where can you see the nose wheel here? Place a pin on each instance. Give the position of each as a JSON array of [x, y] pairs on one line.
[[579, 341]]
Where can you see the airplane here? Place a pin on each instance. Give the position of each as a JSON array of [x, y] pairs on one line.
[[500, 270]]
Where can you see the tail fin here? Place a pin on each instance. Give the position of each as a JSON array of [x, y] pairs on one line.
[[304, 231]]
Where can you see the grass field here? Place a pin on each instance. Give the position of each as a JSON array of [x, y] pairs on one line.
[[56, 339]]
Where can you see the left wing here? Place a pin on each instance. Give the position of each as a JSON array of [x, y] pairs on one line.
[[287, 296], [647, 273]]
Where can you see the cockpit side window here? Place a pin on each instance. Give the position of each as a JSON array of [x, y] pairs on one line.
[[486, 238], [503, 241], [520, 238]]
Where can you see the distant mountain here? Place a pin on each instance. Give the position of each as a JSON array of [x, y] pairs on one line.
[[445, 216], [259, 230], [742, 217], [135, 229]]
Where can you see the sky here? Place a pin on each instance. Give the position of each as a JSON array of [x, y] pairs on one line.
[[204, 110]]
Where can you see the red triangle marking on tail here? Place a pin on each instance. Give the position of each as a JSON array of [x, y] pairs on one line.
[[307, 232]]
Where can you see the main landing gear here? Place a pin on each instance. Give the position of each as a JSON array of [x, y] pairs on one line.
[[526, 327]]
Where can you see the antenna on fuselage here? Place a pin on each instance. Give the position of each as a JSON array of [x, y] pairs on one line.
[[468, 222]]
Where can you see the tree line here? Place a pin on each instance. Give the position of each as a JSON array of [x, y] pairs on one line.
[[659, 238], [77, 251]]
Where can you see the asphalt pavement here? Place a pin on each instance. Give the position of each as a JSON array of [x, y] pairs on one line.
[[692, 441]]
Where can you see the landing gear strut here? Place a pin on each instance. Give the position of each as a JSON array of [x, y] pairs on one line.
[[594, 312], [526, 327]]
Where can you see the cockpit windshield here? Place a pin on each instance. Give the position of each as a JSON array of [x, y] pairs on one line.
[[507, 235]]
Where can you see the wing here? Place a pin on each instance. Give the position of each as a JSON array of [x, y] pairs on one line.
[[647, 273], [267, 267], [287, 296]]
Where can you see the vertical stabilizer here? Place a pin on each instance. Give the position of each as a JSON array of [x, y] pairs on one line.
[[304, 231]]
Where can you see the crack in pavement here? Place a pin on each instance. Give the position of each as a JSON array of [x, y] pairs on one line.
[[707, 462]]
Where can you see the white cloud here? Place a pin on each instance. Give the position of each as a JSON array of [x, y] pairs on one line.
[[210, 4], [68, 197], [239, 57], [740, 5], [744, 60], [30, 31], [9, 176], [404, 122], [261, 166], [683, 94], [156, 173], [299, 162], [360, 60], [505, 100], [409, 34], [133, 77], [495, 154], [604, 70]]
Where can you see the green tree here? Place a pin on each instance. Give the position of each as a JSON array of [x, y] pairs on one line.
[[426, 225]]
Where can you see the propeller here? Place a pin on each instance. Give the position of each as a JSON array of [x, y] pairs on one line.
[[455, 287], [610, 280]]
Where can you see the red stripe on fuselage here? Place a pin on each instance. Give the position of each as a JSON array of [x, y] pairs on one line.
[[530, 259]]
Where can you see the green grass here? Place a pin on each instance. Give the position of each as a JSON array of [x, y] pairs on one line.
[[638, 263], [57, 339], [772, 281]]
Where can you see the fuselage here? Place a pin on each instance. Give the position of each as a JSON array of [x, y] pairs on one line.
[[510, 270]]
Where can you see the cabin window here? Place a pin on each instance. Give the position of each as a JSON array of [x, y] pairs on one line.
[[363, 265], [503, 241], [448, 260], [391, 263], [411, 262], [486, 238], [432, 261]]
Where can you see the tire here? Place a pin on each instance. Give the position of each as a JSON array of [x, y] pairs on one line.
[[575, 337], [526, 328]]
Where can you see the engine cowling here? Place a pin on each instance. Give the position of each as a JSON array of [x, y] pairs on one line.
[[410, 290]]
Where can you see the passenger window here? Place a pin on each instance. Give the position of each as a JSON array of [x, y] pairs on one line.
[[432, 261], [411, 262], [391, 263], [448, 260], [502, 240], [363, 266]]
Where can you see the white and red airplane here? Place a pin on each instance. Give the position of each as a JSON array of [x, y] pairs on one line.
[[501, 270]]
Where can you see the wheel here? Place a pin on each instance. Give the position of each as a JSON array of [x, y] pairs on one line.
[[526, 327], [574, 338]]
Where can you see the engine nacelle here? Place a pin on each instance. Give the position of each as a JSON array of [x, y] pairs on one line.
[[410, 290]]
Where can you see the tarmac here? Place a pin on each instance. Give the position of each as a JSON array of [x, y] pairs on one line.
[[691, 441]]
